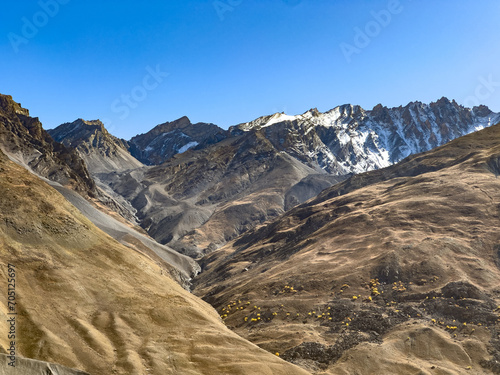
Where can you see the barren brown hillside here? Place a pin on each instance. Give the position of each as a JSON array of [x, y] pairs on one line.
[[85, 301], [394, 271]]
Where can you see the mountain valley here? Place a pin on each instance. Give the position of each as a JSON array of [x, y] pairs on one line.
[[86, 301], [230, 181], [344, 242]]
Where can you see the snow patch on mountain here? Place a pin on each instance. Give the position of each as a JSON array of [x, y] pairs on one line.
[[187, 147]]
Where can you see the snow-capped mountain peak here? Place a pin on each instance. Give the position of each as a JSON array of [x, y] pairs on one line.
[[350, 139]]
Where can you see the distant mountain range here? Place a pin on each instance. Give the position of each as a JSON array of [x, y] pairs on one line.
[[344, 140], [196, 186], [349, 139]]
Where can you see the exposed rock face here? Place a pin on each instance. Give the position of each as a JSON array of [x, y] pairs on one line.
[[400, 262], [171, 138], [102, 152], [349, 139], [26, 142], [23, 137]]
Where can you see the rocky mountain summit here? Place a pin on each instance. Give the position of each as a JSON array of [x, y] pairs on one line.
[[171, 138], [101, 151], [23, 138]]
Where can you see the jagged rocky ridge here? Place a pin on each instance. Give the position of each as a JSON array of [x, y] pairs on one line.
[[24, 140], [103, 153], [346, 139], [349, 139]]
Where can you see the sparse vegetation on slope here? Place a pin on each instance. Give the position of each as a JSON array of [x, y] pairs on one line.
[[408, 252]]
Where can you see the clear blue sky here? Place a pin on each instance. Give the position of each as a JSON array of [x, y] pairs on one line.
[[238, 62]]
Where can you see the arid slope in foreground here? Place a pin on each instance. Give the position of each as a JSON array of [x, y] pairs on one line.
[[87, 302], [394, 271]]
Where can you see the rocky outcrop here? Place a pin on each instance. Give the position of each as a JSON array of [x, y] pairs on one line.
[[102, 152], [171, 138], [24, 139]]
